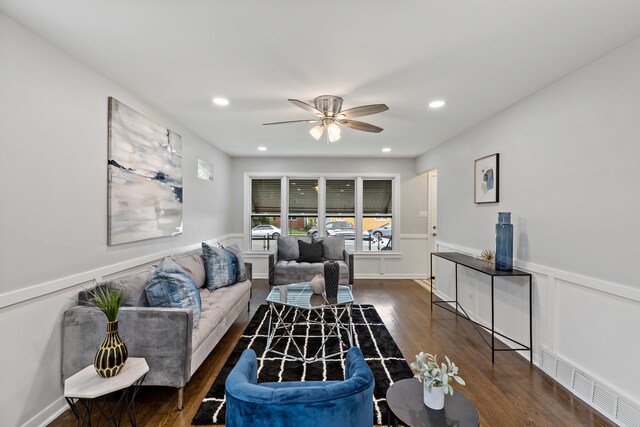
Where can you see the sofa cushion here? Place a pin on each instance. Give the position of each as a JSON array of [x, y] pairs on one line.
[[241, 270], [286, 272], [288, 248], [170, 286], [333, 248], [193, 265], [219, 267], [216, 307], [310, 252]]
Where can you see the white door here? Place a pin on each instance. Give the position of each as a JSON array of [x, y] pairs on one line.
[[432, 188]]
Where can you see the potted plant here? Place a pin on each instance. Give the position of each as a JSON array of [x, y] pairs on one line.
[[112, 353], [435, 378]]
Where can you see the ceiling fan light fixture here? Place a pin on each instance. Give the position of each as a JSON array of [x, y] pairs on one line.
[[317, 131], [333, 132]]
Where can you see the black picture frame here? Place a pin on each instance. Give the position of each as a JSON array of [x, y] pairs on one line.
[[486, 179]]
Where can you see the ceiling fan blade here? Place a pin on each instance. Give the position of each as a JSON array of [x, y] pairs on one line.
[[353, 124], [364, 110], [305, 106], [292, 121]]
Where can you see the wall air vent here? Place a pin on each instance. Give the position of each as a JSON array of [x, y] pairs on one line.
[[604, 400], [628, 415], [564, 374], [583, 386]]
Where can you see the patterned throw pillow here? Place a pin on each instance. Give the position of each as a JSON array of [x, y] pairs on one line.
[[241, 270], [170, 286], [220, 266]]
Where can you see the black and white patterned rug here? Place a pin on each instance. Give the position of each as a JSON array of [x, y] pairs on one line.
[[380, 351]]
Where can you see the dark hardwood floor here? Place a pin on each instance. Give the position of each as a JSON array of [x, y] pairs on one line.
[[509, 393]]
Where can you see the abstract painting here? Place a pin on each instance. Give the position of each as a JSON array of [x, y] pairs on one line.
[[486, 179], [145, 177], [205, 170]]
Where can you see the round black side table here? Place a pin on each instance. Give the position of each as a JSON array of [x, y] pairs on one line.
[[406, 406]]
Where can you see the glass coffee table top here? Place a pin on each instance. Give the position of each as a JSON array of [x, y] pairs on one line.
[[296, 305], [299, 295]]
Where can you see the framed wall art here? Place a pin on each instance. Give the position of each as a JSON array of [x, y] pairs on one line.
[[145, 177], [486, 179]]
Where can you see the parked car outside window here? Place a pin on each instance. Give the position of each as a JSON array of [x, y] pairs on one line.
[[382, 231], [265, 231], [336, 228]]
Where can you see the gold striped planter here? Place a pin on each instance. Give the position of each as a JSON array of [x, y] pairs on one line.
[[112, 353]]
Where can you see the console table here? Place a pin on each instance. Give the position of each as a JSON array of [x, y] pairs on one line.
[[490, 270]]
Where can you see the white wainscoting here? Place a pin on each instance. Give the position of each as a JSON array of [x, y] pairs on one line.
[[411, 262], [31, 322], [585, 330]]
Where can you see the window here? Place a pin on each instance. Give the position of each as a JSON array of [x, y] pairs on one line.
[[303, 206], [334, 200], [377, 215], [341, 210], [265, 214]]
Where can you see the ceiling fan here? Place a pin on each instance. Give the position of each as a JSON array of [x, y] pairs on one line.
[[328, 109]]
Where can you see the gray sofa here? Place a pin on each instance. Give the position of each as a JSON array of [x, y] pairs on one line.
[[165, 337], [284, 267]]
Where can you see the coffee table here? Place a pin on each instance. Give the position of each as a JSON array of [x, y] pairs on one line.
[[407, 407], [298, 300]]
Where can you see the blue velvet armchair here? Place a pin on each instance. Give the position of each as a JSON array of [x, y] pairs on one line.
[[309, 403]]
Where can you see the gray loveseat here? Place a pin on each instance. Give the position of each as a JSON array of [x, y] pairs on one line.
[[165, 337], [285, 268]]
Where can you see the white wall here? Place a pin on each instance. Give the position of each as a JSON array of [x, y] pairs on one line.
[[53, 222], [569, 174], [413, 243]]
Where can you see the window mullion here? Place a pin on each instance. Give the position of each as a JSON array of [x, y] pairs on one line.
[[358, 213], [322, 205], [284, 206]]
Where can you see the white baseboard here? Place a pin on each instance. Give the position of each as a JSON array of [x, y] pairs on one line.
[[48, 414]]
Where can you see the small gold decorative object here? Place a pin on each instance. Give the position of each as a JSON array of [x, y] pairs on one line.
[[488, 256]]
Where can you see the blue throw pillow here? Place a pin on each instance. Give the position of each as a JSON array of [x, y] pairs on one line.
[[241, 269], [170, 286], [220, 266]]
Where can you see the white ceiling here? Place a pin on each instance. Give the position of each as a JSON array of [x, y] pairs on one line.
[[481, 56]]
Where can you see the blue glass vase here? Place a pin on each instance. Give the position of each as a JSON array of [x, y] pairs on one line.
[[504, 242]]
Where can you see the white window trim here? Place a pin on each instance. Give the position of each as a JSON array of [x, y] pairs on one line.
[[322, 180]]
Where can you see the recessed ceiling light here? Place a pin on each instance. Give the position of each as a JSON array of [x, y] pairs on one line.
[[386, 150], [220, 101], [262, 148], [438, 103]]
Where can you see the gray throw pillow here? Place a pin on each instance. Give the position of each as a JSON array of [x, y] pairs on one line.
[[333, 247], [193, 265], [288, 248]]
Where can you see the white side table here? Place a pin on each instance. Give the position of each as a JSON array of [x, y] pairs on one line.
[[88, 387]]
